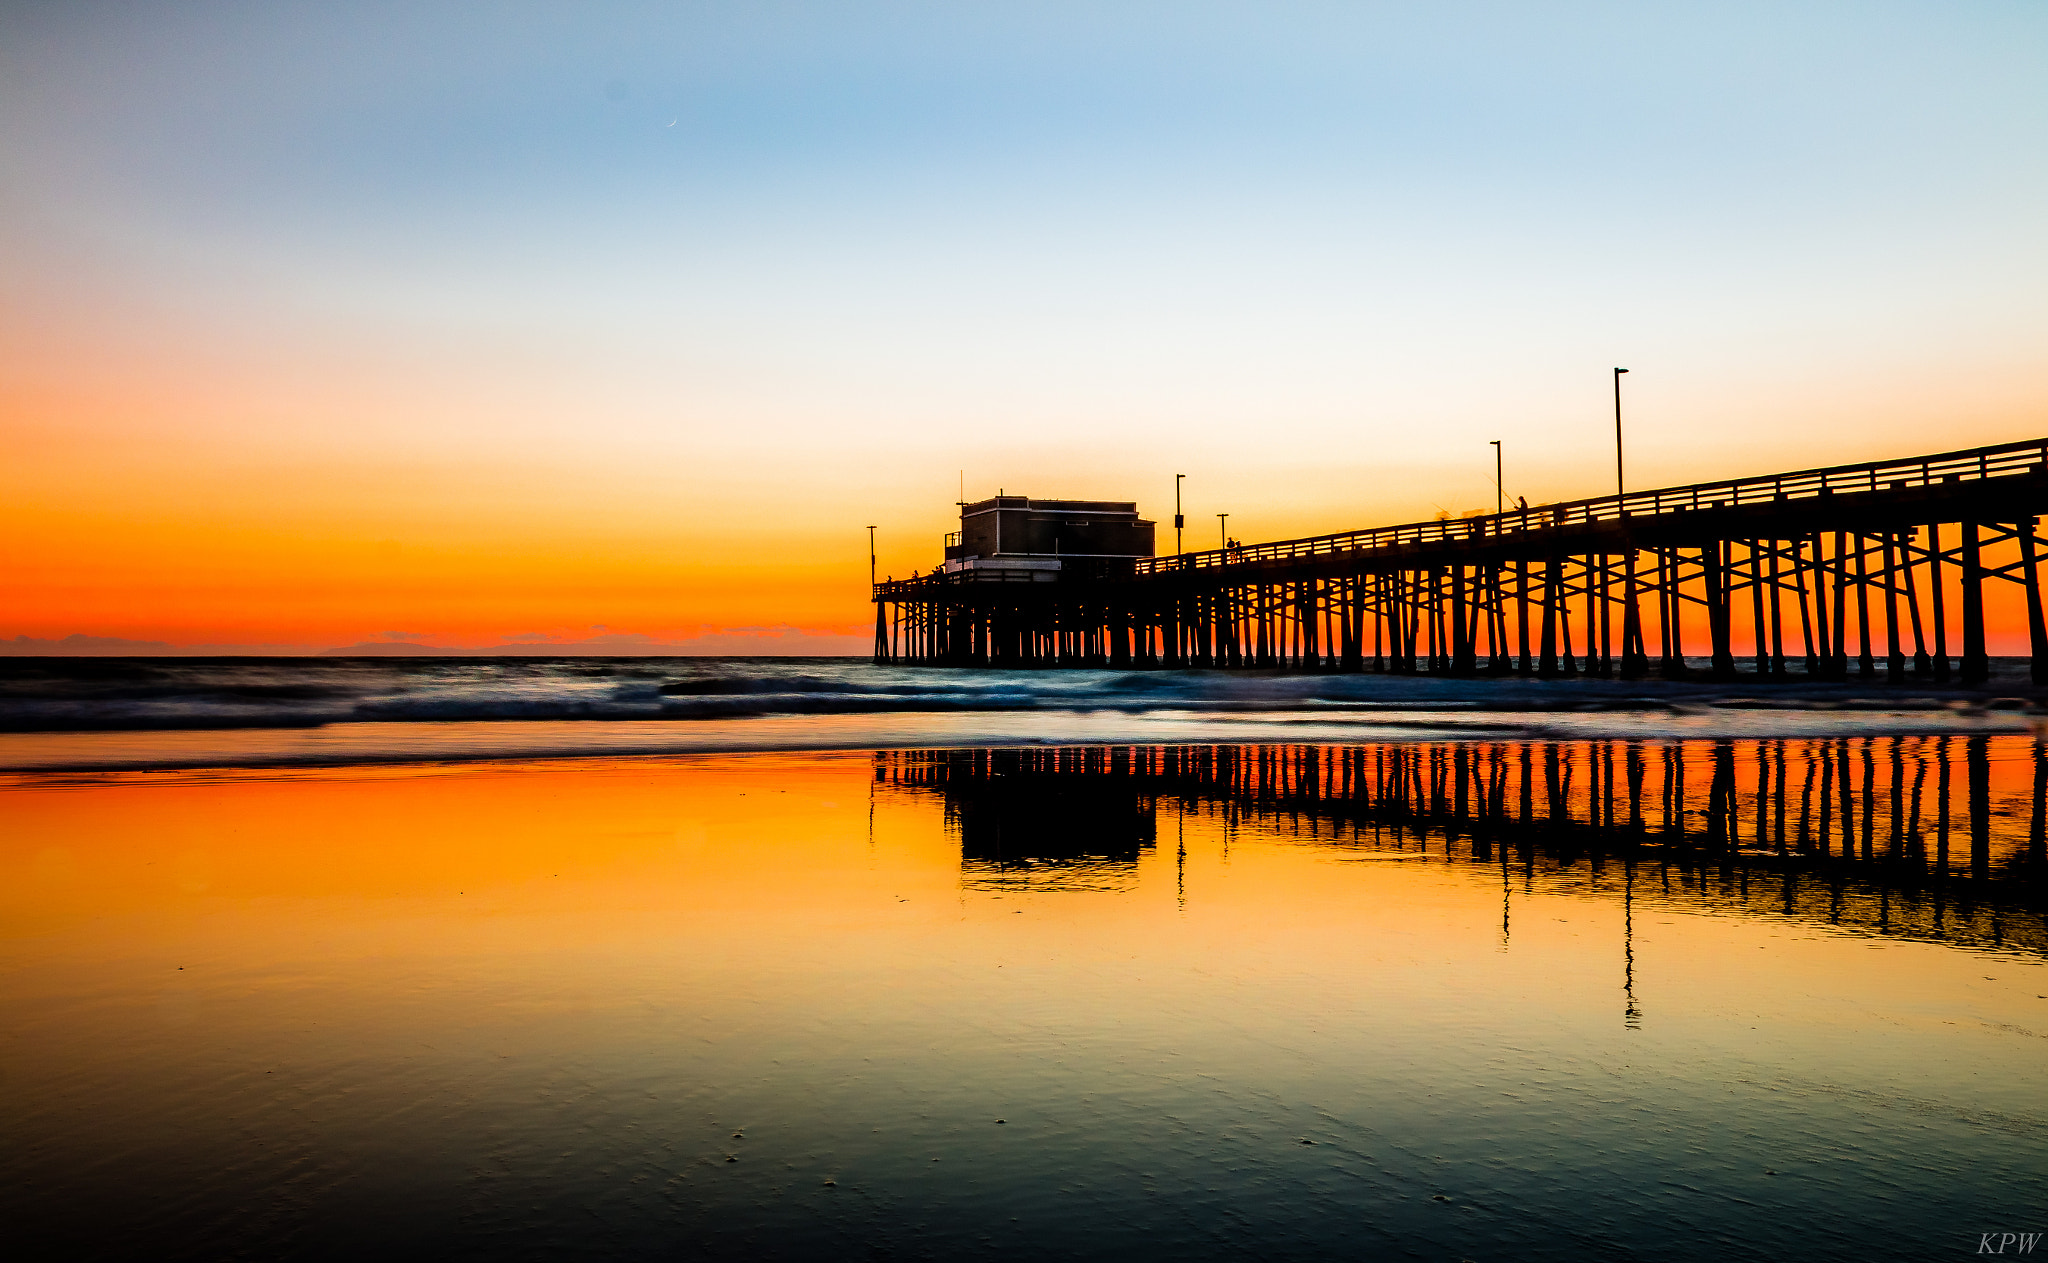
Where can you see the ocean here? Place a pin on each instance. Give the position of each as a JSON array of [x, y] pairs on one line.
[[645, 959], [108, 713]]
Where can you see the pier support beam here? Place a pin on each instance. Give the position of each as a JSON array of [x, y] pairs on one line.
[[2037, 632], [1976, 662], [1714, 565]]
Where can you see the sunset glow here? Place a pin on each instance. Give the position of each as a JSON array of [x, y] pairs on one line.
[[808, 629], [410, 323]]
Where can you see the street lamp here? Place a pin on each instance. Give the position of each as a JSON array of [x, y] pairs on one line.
[[1620, 488], [1178, 520], [871, 556], [1499, 498], [1223, 529]]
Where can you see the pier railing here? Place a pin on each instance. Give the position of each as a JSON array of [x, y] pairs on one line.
[[2000, 461], [982, 580], [1524, 592]]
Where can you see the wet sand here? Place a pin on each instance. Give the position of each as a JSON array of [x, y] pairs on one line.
[[792, 1005]]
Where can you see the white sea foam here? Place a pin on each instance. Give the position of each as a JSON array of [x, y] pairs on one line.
[[133, 713]]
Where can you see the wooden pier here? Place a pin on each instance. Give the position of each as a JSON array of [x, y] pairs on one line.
[[1850, 570]]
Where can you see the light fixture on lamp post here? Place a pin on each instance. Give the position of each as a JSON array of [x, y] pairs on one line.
[[1223, 529]]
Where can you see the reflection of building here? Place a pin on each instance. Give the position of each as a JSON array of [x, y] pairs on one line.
[[1010, 817], [1935, 837], [1036, 818], [1013, 539]]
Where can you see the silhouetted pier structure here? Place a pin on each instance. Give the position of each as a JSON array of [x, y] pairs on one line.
[[1825, 568], [1940, 837]]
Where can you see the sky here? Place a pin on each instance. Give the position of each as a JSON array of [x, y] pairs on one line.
[[466, 324]]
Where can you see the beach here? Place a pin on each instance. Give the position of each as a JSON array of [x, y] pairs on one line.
[[1452, 992]]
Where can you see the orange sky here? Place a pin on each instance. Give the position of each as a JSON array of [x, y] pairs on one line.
[[154, 502], [399, 333], [128, 522]]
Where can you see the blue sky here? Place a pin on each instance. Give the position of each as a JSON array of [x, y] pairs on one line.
[[1314, 255]]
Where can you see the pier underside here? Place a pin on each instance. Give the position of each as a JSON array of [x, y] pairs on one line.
[[1820, 574]]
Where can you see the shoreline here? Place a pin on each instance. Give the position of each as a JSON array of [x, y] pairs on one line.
[[25, 756]]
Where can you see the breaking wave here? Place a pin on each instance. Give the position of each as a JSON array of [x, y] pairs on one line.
[[99, 694]]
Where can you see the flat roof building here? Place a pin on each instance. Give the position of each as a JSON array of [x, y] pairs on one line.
[[1016, 538]]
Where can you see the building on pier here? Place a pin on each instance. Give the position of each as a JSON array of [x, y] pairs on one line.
[[1015, 539], [1851, 569]]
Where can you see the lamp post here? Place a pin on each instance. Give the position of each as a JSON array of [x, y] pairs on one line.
[[1499, 498], [1223, 529], [871, 556], [1620, 488], [1178, 520]]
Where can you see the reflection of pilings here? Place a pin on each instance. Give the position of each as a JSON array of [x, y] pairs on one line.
[[1631, 1015], [1862, 799], [1856, 810], [2037, 820], [1721, 808], [1980, 807]]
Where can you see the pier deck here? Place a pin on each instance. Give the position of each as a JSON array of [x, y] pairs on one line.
[[1552, 590]]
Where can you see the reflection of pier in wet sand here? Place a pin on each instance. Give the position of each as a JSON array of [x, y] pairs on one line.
[[1937, 837]]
